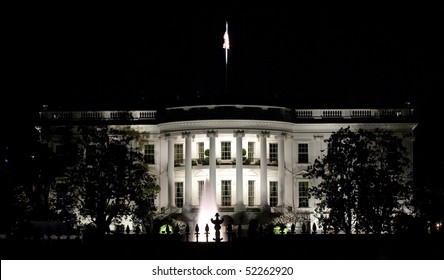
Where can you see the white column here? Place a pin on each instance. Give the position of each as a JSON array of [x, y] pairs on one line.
[[239, 206], [188, 181], [212, 135], [264, 183], [170, 169], [281, 170]]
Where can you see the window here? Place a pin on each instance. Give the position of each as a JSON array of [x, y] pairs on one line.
[[225, 150], [273, 193], [250, 193], [200, 185], [273, 152], [179, 194], [226, 193], [251, 151], [178, 154], [200, 151], [303, 194], [303, 153], [149, 153]]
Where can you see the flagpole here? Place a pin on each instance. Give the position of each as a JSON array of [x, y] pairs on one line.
[[226, 70]]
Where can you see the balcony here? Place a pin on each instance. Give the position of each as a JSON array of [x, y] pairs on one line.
[[199, 163], [349, 114], [98, 115]]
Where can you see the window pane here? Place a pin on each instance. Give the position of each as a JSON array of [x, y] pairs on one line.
[[179, 194], [273, 153], [149, 153], [200, 150], [303, 194], [303, 153], [178, 154], [200, 185], [250, 193], [226, 150], [226, 193], [251, 151], [273, 194]]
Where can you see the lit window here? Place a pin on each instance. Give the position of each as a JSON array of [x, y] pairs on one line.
[[251, 151], [303, 194], [149, 154], [303, 153], [200, 184], [226, 193], [200, 151], [225, 150], [250, 193], [178, 154], [179, 194], [273, 193]]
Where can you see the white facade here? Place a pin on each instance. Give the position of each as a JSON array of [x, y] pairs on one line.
[[278, 150]]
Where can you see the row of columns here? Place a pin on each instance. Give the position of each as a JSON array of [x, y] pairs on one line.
[[238, 134]]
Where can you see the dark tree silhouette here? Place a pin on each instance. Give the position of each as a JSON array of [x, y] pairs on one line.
[[365, 180], [108, 180]]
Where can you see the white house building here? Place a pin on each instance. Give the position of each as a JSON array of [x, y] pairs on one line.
[[254, 157]]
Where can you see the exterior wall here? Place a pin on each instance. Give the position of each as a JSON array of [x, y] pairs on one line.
[[294, 133]]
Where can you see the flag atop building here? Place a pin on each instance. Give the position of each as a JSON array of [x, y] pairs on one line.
[[226, 37], [226, 45]]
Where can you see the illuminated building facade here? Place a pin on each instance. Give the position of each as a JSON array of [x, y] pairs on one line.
[[254, 156]]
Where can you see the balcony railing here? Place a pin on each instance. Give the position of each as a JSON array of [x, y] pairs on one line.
[[231, 111], [219, 161], [98, 115], [352, 113]]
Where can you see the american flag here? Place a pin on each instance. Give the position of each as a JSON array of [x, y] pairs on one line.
[[226, 38]]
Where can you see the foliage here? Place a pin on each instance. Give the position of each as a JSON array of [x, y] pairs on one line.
[[108, 179], [364, 181]]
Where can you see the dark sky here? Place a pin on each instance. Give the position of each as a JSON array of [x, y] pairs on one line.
[[363, 56]]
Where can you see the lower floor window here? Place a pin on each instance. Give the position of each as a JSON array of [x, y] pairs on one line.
[[303, 194], [250, 193], [226, 193], [273, 193], [179, 194]]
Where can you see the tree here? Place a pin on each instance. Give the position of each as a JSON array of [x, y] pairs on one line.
[[364, 180], [108, 180]]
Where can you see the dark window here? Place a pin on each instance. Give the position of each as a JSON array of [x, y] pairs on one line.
[[149, 154], [273, 193], [303, 153], [303, 194], [179, 194], [273, 152]]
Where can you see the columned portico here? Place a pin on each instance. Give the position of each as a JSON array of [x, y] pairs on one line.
[[264, 184], [188, 180], [212, 134], [239, 206]]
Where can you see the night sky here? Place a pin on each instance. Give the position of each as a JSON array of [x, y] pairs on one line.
[[338, 57], [350, 56]]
